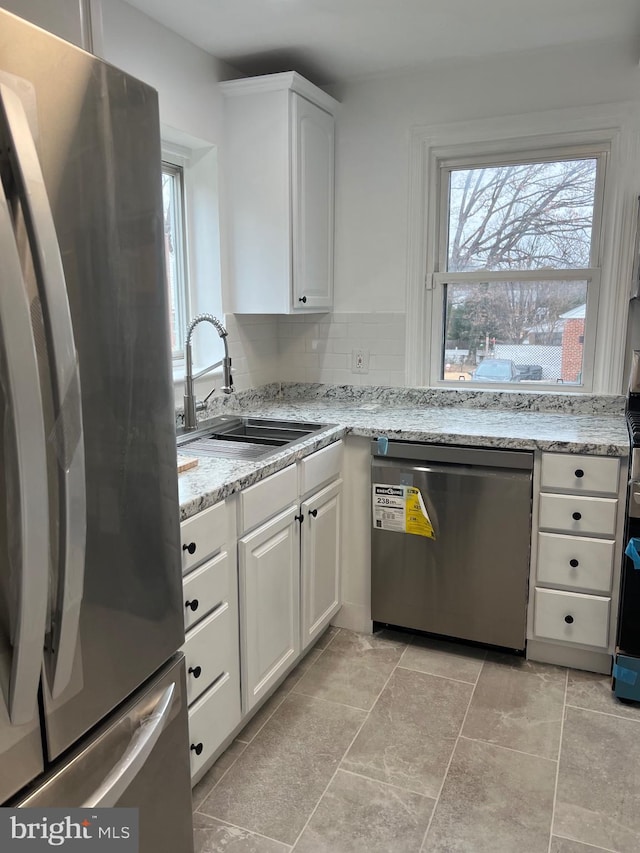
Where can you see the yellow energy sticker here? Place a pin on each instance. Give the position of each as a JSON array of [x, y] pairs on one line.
[[401, 509], [417, 517]]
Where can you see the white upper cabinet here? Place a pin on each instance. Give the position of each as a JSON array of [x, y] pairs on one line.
[[279, 177]]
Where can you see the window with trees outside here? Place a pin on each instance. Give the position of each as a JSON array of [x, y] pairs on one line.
[[174, 244], [518, 261]]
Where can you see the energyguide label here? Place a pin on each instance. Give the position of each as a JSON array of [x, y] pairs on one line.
[[400, 509]]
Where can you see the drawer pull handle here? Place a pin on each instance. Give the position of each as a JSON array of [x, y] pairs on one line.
[[577, 516], [302, 299], [197, 748], [195, 671], [191, 547], [192, 604], [313, 512], [299, 518], [579, 473], [568, 619], [574, 563]]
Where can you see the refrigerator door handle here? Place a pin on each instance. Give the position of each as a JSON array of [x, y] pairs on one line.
[[139, 749], [67, 437], [30, 551]]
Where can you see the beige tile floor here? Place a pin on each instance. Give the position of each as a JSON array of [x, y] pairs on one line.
[[398, 744]]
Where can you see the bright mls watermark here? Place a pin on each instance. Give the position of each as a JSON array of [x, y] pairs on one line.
[[26, 830]]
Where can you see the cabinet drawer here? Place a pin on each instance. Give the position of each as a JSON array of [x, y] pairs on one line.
[[210, 649], [579, 473], [575, 561], [268, 497], [572, 617], [320, 467], [212, 718], [578, 514], [203, 535], [206, 587]]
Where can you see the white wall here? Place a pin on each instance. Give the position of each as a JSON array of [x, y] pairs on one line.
[[186, 79], [373, 144], [185, 76], [190, 100]]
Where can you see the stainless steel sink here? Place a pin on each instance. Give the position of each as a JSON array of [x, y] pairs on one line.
[[244, 438]]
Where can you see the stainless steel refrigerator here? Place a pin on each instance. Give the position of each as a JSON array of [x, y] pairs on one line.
[[92, 687]]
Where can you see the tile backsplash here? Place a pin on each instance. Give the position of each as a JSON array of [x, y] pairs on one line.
[[311, 348], [321, 347], [253, 346]]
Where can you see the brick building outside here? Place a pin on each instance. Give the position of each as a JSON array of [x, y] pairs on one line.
[[573, 344]]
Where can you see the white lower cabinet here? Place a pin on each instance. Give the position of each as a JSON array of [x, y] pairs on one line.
[[262, 581], [572, 617], [575, 576], [211, 648], [320, 561], [581, 563], [289, 568], [214, 716], [208, 586], [578, 514], [269, 575]]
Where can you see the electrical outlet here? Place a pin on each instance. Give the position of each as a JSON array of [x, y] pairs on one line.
[[360, 361]]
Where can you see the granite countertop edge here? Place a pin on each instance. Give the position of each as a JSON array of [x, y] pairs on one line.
[[215, 479]]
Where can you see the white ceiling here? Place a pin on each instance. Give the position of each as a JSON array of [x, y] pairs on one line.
[[335, 40]]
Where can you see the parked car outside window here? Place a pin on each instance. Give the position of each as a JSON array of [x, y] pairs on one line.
[[529, 372], [496, 370]]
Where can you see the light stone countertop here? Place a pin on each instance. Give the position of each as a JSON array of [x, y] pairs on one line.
[[214, 479]]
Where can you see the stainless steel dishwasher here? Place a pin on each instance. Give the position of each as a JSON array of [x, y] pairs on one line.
[[462, 570]]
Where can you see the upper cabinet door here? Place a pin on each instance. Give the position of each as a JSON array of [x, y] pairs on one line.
[[312, 205], [278, 215]]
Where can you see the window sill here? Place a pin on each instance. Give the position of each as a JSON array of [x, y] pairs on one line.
[[531, 387]]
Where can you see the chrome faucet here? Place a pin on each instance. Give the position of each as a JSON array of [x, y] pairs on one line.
[[190, 404]]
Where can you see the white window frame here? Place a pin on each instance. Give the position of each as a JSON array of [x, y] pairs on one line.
[[176, 165], [591, 274], [203, 293], [613, 129]]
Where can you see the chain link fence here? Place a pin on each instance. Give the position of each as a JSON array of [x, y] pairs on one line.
[[534, 362]]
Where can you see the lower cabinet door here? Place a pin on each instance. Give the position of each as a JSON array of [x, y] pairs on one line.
[[320, 566], [269, 569]]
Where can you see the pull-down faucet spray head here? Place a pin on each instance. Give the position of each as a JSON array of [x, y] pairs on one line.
[[190, 419]]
